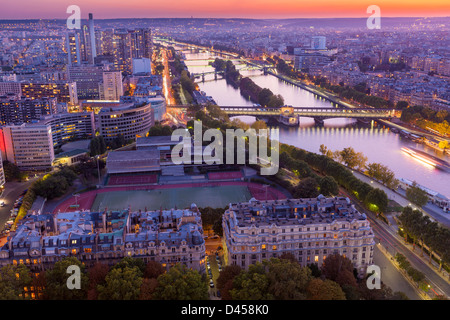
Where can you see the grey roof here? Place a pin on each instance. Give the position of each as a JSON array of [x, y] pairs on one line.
[[155, 141], [133, 161]]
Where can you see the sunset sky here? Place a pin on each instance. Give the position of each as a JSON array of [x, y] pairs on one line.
[[31, 9]]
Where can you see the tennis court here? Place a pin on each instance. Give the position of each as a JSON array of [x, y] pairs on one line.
[[208, 196]]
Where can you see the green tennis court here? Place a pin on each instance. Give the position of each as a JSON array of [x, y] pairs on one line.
[[215, 197]]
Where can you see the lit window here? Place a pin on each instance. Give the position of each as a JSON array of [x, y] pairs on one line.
[[316, 258], [274, 247]]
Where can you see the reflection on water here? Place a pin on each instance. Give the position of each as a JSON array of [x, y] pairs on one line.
[[378, 143]]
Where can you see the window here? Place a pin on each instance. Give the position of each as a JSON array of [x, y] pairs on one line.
[[263, 247], [74, 241], [274, 247], [316, 258]]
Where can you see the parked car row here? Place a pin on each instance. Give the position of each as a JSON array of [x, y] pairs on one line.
[[208, 268], [14, 212]]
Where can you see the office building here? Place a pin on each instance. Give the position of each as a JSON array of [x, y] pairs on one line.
[[66, 126], [128, 119], [112, 87], [87, 77], [93, 45], [28, 146], [130, 44], [309, 229], [73, 47]]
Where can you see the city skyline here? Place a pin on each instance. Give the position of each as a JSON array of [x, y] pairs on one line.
[[256, 9]]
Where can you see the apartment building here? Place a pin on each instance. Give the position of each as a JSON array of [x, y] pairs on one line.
[[112, 87], [15, 110], [166, 236], [28, 146], [62, 90], [310, 229]]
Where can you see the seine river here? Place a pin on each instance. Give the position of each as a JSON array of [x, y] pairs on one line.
[[377, 142]]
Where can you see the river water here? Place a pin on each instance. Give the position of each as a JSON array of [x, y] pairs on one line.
[[377, 142]]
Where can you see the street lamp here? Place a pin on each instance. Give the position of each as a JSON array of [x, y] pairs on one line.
[[98, 170]]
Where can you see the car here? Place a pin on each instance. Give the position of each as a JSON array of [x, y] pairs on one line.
[[218, 294], [2, 204], [211, 283], [220, 268]]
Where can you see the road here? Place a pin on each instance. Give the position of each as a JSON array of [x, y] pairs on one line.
[[431, 210], [167, 85], [389, 240], [9, 196], [391, 277], [211, 246]]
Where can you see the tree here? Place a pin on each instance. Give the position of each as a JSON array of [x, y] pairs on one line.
[[287, 279], [307, 188], [181, 283], [416, 275], [56, 281], [97, 276], [353, 159], [131, 263], [13, 279], [377, 200], [382, 173], [339, 269], [225, 280], [416, 195], [444, 144], [401, 105], [264, 96], [328, 186], [258, 125], [275, 101], [12, 172], [252, 284], [122, 283], [323, 149], [403, 263], [148, 287], [324, 290], [160, 130], [153, 269]]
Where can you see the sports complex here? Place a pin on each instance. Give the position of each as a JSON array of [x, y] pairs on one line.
[[145, 193], [147, 179]]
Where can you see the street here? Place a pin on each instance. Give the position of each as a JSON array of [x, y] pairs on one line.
[[9, 196], [393, 245]]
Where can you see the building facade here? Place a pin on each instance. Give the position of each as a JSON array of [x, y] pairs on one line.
[[129, 120], [14, 110], [166, 236], [309, 229], [62, 90], [28, 146], [87, 77], [67, 126], [112, 86]]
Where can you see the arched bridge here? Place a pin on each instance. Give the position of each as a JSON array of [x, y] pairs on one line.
[[316, 113]]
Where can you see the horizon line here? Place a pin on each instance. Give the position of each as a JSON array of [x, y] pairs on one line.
[[225, 18]]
